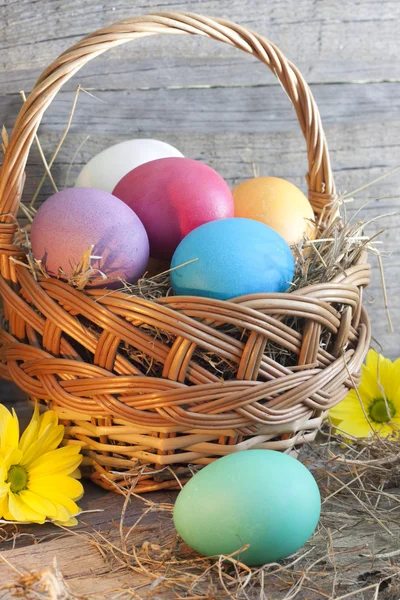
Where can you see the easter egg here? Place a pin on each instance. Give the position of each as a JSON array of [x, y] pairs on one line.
[[72, 220], [105, 169], [172, 196], [261, 498], [231, 257], [277, 203]]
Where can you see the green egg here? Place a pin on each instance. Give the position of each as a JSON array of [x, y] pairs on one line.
[[263, 498]]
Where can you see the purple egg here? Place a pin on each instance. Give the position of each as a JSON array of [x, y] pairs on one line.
[[72, 220]]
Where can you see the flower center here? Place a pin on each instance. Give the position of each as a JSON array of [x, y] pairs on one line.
[[381, 410], [18, 478]]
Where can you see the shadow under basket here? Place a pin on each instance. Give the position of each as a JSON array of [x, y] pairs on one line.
[[154, 389]]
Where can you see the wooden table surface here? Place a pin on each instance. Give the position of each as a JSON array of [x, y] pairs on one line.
[[225, 108]]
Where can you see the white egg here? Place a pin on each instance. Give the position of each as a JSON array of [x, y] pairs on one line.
[[106, 169]]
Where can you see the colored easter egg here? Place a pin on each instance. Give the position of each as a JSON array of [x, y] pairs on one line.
[[231, 257], [173, 196], [72, 220], [261, 498], [105, 169], [277, 203]]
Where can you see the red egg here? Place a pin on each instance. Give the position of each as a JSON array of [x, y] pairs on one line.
[[173, 196]]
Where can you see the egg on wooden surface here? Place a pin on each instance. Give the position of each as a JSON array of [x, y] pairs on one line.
[[173, 196], [104, 170], [74, 219], [277, 203], [230, 258], [261, 498]]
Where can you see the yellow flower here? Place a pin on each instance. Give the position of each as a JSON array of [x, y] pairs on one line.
[[37, 479], [375, 409]]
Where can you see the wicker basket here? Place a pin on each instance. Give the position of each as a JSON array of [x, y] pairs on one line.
[[64, 346]]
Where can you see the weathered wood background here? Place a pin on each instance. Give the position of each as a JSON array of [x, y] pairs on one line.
[[221, 106]]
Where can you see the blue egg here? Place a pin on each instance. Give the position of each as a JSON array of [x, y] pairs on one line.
[[231, 257], [260, 498]]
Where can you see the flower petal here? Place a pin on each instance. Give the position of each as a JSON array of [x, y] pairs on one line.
[[4, 489], [48, 441], [371, 361], [35, 450], [31, 432], [7, 515], [396, 386], [54, 438], [9, 428], [395, 424], [369, 385], [386, 431], [356, 426], [62, 461], [20, 511], [49, 417], [12, 456], [3, 507], [65, 506], [382, 375], [42, 435], [396, 364], [349, 407], [388, 379], [72, 522], [38, 503], [76, 474], [368, 389], [62, 483]]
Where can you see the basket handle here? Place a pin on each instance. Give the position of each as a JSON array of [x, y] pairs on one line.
[[319, 178]]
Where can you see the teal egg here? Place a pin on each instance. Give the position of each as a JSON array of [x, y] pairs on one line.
[[261, 498], [231, 257]]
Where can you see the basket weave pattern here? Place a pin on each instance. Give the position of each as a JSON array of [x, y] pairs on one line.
[[70, 348]]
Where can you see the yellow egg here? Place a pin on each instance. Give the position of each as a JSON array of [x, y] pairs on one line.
[[277, 203]]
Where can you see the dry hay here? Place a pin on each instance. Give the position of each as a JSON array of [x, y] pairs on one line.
[[48, 584], [354, 553]]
